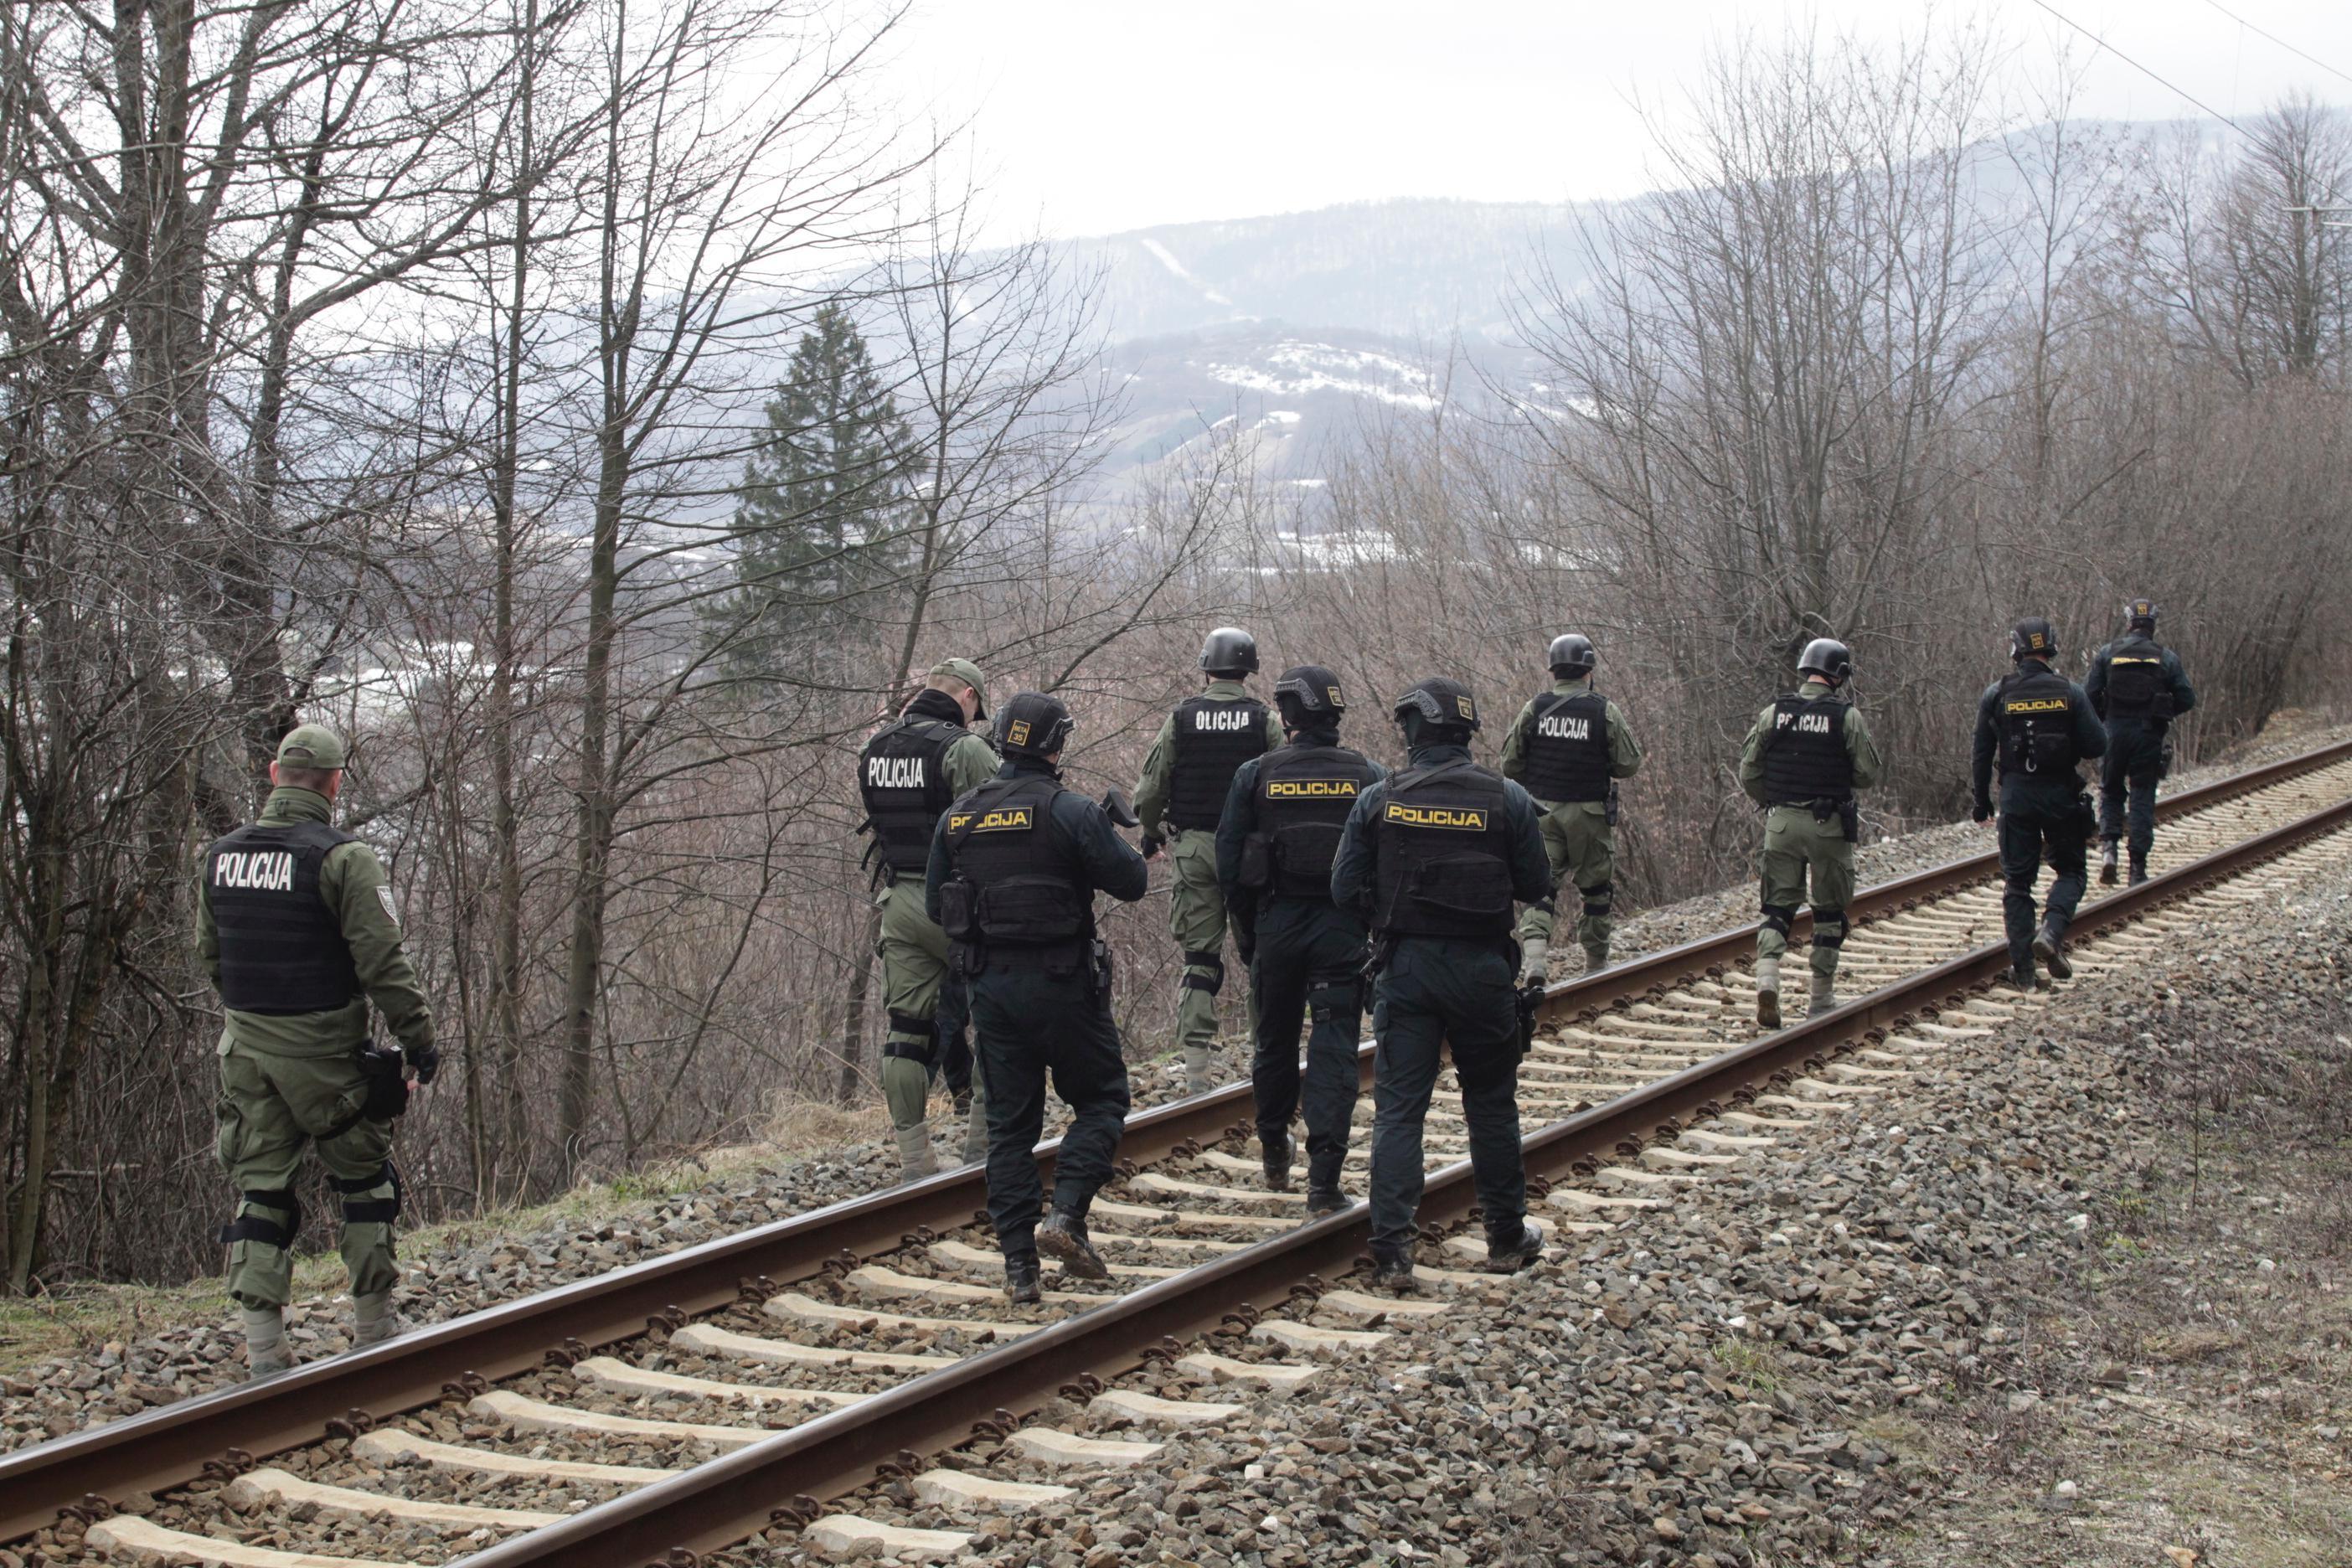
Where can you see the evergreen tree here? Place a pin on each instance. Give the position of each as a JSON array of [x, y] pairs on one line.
[[823, 512]]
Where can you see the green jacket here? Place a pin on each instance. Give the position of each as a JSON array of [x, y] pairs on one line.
[[1625, 752], [1160, 762], [352, 883], [1869, 767]]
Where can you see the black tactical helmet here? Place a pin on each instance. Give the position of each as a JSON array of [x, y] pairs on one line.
[[1033, 724], [2140, 616], [2033, 638], [1572, 654], [1829, 659], [1229, 650], [1310, 689], [1441, 703]]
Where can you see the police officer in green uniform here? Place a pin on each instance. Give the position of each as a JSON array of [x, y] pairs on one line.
[[1276, 843], [1179, 799], [908, 773], [1014, 869], [1433, 858], [2038, 726], [1802, 762], [1567, 748], [2137, 688], [296, 926]]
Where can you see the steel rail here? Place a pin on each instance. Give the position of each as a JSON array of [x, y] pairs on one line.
[[719, 1503], [168, 1446]]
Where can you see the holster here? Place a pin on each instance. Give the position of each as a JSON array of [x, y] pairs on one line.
[[1529, 998], [1609, 808], [383, 1074], [1099, 967], [1849, 814]]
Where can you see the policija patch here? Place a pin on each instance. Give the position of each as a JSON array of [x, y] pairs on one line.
[[2035, 705], [1459, 819], [1011, 819], [1311, 789]]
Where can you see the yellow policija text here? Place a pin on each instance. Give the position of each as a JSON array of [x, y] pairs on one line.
[[1012, 820], [1460, 821], [1311, 789]]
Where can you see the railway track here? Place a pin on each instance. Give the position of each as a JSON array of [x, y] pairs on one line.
[[696, 1400]]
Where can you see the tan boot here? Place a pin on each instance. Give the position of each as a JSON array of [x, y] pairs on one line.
[[1198, 1074], [374, 1320], [1596, 957], [915, 1157], [1825, 998], [975, 1132], [1535, 959], [266, 1354], [1768, 993]]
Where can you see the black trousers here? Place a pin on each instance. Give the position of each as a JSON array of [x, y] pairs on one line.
[[951, 1055], [1433, 994], [1030, 1025], [1310, 959], [2028, 830], [2128, 780]]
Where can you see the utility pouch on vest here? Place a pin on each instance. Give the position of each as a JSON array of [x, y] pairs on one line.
[[1609, 812], [1850, 819], [1474, 886], [959, 909], [1031, 909], [1303, 853], [1256, 870]]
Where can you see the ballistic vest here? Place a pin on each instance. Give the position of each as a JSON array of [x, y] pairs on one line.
[[2136, 687], [1016, 882], [281, 949], [1805, 757], [1442, 854], [1304, 796], [1567, 748], [903, 776], [2034, 709], [1212, 739]]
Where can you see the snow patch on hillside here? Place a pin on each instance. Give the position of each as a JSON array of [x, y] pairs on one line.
[[1167, 259]]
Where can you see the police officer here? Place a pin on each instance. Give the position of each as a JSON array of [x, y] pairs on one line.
[[1567, 748], [1803, 759], [2137, 688], [2039, 727], [296, 926], [908, 773], [1182, 794], [1014, 867], [1276, 843], [1433, 858]]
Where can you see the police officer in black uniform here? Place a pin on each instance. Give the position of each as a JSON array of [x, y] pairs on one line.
[[1013, 871], [1276, 843], [2137, 688], [1434, 858], [2040, 728]]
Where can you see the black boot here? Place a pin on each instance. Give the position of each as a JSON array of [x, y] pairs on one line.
[[1274, 1148], [1062, 1237], [2107, 865], [1392, 1271], [1519, 1254], [2051, 948], [1021, 1281], [2139, 869], [2019, 979], [1321, 1201]]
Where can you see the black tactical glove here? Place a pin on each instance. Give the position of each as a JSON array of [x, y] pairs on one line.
[[1983, 812], [1153, 844], [423, 1062]]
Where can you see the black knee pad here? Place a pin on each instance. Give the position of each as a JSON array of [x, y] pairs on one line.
[[1212, 982], [913, 1024], [370, 1211], [1778, 917], [1547, 906], [1828, 928], [1596, 898], [261, 1228]]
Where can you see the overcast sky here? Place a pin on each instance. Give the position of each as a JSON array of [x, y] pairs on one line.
[[1094, 116]]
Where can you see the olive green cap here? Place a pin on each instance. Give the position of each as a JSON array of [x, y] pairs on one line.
[[310, 746], [964, 669]]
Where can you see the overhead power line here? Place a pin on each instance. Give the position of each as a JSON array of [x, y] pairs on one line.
[[2145, 72], [2274, 38]]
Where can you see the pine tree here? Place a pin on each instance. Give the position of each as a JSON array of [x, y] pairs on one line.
[[823, 510]]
